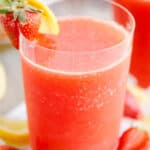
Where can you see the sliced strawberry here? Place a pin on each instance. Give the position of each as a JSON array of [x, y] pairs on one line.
[[31, 26], [133, 139], [131, 108], [5, 147], [11, 27], [19, 17]]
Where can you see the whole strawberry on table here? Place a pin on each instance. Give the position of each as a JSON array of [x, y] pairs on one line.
[[134, 139]]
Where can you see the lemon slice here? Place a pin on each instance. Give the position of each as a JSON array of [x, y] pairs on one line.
[[49, 22], [140, 95], [2, 81], [14, 132]]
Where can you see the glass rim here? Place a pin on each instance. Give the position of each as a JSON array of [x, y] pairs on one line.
[[114, 46]]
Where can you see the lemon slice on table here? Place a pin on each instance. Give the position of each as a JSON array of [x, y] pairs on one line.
[[2, 81], [14, 132], [49, 22]]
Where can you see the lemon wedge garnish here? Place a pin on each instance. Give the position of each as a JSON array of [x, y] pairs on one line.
[[49, 22], [14, 132], [2, 81]]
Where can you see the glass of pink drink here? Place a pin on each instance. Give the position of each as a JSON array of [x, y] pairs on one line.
[[74, 93]]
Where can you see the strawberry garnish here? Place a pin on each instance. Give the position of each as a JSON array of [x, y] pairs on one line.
[[134, 139], [30, 28], [18, 17]]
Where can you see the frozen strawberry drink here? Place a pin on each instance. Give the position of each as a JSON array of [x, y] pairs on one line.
[[74, 93]]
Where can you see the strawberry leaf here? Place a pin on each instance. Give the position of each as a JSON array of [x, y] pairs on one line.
[[4, 10]]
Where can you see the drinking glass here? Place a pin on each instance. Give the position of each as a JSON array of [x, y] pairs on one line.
[[75, 96]]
